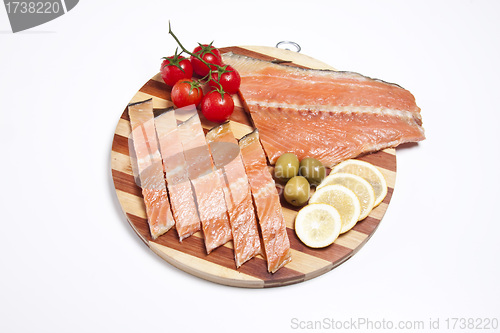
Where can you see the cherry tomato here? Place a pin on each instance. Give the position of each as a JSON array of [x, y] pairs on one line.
[[209, 54], [175, 68], [186, 92], [217, 106], [228, 78]]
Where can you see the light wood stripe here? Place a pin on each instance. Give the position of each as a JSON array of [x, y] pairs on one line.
[[304, 60], [390, 176], [306, 263], [121, 163], [158, 103], [289, 216], [237, 101], [133, 203], [391, 151], [157, 78], [351, 239], [240, 130], [379, 211], [123, 128]]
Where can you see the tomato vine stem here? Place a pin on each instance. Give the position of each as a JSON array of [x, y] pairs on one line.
[[181, 46], [209, 75]]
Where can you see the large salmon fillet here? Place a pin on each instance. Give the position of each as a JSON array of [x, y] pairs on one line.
[[267, 203], [329, 115], [206, 183], [229, 164], [182, 199], [150, 168]]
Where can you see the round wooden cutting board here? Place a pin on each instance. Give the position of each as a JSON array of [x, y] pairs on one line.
[[219, 266]]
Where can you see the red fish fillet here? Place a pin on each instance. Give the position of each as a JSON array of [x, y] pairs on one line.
[[150, 168], [329, 115], [227, 159], [182, 199], [206, 183], [267, 203]]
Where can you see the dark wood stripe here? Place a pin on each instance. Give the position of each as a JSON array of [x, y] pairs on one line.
[[332, 253], [159, 112], [124, 115], [381, 159], [239, 115], [126, 183], [279, 280], [140, 225], [156, 89], [388, 197], [221, 256], [367, 225], [120, 144]]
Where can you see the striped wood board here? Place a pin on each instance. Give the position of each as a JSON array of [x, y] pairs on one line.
[[219, 266]]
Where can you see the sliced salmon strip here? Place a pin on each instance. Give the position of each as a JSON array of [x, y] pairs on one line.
[[150, 168], [207, 187], [267, 202], [182, 199], [227, 159], [329, 115]]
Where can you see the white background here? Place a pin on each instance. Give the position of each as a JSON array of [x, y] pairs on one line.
[[71, 263]]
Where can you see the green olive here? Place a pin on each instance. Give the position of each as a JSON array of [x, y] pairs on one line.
[[297, 191], [287, 166], [313, 170]]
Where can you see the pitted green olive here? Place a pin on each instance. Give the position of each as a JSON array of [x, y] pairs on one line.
[[313, 170], [297, 191], [287, 166]]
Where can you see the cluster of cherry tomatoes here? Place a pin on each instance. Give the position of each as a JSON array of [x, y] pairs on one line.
[[203, 71]]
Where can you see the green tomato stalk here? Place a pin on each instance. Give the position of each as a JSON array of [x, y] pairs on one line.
[[209, 75], [176, 61]]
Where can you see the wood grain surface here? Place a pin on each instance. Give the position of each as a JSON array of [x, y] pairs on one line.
[[219, 266]]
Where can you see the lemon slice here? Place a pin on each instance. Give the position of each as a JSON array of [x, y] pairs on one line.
[[367, 171], [360, 187], [344, 200], [318, 225]]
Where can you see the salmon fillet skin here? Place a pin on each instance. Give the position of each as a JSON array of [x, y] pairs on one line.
[[267, 203], [229, 164], [329, 115], [150, 168]]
